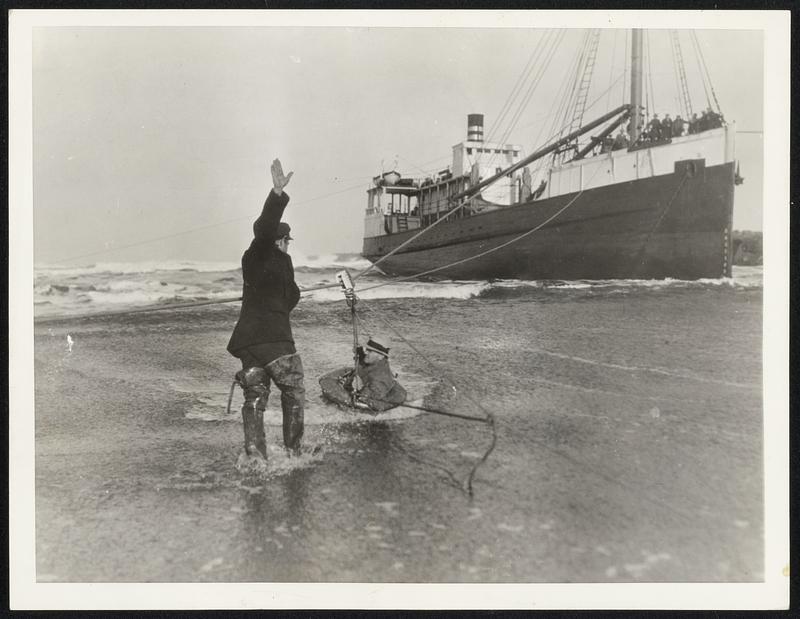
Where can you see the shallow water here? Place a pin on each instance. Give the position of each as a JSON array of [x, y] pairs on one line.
[[629, 444]]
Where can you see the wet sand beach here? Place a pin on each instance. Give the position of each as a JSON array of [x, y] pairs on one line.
[[629, 446]]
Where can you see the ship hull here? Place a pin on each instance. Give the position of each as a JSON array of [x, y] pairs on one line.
[[673, 225]]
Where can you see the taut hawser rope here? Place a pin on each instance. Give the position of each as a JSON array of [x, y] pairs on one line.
[[173, 306], [489, 419], [156, 308], [484, 253], [489, 416]]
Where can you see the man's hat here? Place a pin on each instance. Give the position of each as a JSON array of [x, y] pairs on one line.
[[283, 231], [377, 347]]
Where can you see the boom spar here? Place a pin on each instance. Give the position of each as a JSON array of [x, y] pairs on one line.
[[468, 193]]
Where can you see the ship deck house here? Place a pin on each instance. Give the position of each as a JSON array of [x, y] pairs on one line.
[[397, 203]]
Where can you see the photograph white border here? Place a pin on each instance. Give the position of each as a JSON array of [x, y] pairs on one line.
[[26, 593]]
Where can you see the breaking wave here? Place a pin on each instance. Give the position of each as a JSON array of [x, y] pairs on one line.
[[301, 262], [128, 268], [743, 278], [116, 286], [326, 262]]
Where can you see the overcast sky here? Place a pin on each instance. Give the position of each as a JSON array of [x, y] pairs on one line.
[[147, 132]]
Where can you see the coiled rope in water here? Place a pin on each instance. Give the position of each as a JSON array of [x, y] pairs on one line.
[[488, 419]]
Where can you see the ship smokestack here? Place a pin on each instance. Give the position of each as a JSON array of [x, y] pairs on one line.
[[475, 127]]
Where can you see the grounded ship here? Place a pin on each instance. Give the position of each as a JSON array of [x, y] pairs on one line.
[[659, 206]]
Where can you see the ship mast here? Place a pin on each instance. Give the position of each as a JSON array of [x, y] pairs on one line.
[[634, 110], [471, 191], [636, 84]]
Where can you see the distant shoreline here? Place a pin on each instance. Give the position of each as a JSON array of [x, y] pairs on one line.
[[747, 247]]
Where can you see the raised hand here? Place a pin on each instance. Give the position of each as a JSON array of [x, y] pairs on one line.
[[279, 179]]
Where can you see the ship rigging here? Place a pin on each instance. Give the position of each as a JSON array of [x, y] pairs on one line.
[[653, 201]]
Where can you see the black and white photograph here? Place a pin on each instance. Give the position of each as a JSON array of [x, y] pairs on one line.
[[398, 309]]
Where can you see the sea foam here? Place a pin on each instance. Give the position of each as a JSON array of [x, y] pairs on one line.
[[116, 286]]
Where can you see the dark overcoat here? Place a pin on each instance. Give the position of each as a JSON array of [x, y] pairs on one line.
[[380, 389], [269, 293]]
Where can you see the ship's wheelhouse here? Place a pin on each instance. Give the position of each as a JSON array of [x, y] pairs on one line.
[[396, 203]]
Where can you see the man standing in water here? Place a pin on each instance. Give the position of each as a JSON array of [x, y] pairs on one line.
[[262, 338]]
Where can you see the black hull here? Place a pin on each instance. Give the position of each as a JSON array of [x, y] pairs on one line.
[[674, 225]]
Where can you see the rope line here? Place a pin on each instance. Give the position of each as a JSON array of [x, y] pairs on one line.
[[174, 306], [412, 239], [159, 308], [493, 249], [663, 213], [572, 99], [137, 310], [192, 304], [363, 321], [697, 53], [540, 164], [708, 74], [489, 415], [490, 420], [562, 101], [437, 411], [523, 104], [465, 486], [675, 71], [625, 69], [517, 88], [454, 481], [611, 72], [650, 74], [198, 229]]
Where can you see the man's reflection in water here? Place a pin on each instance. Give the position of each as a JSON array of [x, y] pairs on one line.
[[374, 469], [275, 526], [312, 524]]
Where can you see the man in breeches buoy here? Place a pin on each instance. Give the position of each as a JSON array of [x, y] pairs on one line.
[[379, 390], [262, 338]]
